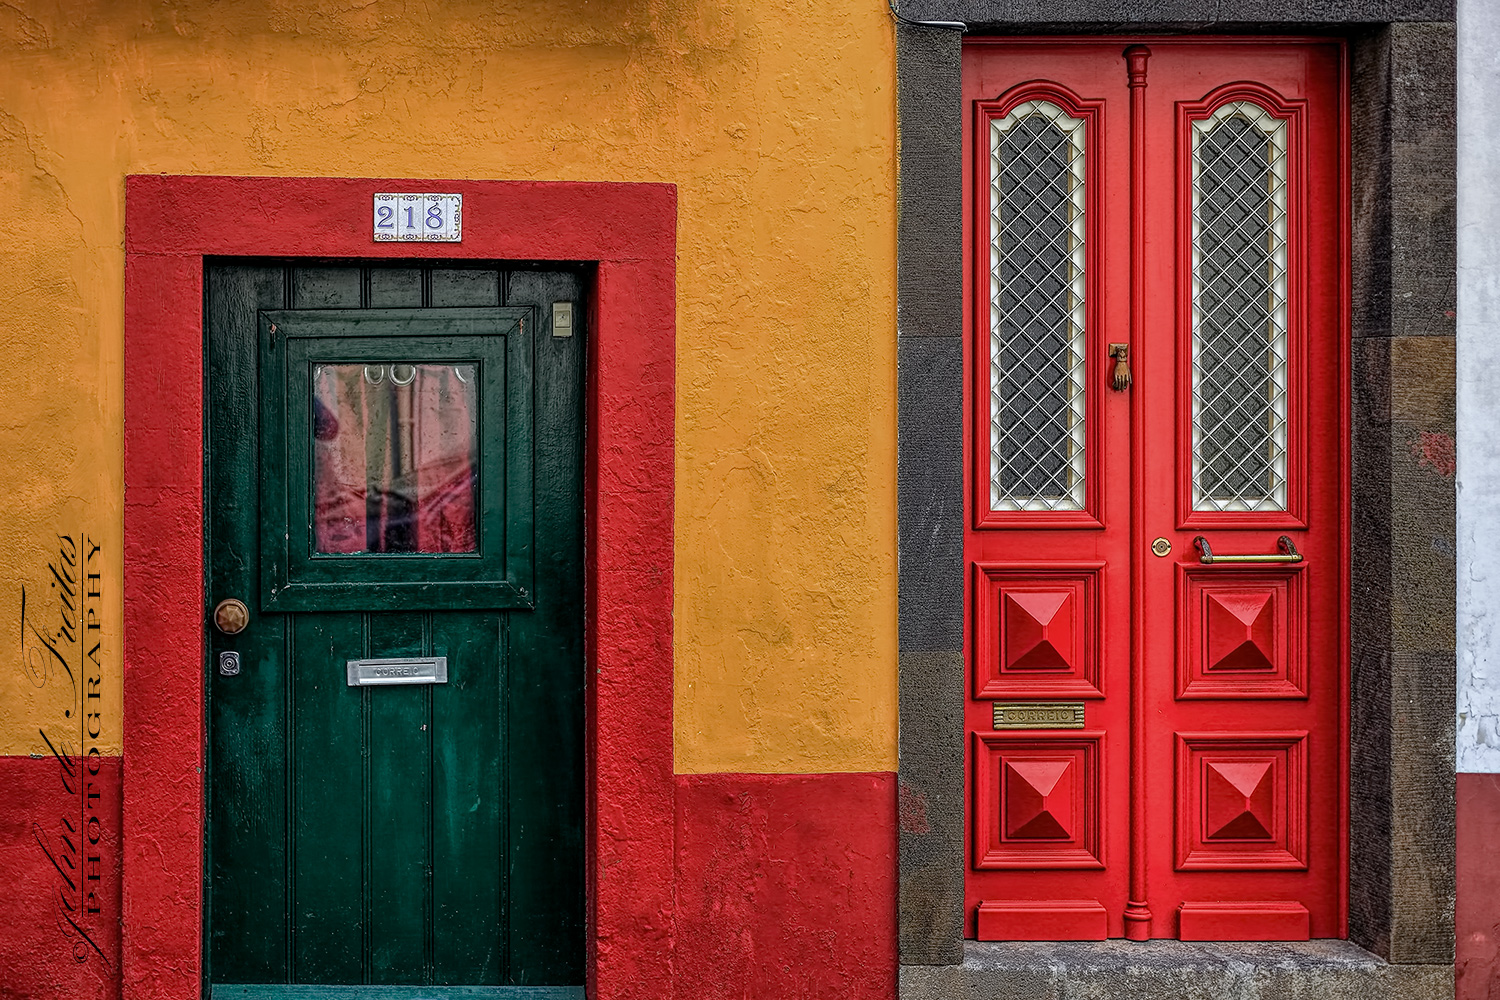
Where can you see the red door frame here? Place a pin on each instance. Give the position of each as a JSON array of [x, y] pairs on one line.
[[629, 230]]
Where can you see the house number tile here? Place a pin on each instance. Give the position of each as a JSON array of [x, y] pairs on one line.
[[418, 218]]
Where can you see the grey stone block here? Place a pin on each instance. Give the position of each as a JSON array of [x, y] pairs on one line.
[[1174, 970], [929, 306], [1424, 167], [929, 260], [1403, 140], [929, 492], [930, 807], [1403, 586]]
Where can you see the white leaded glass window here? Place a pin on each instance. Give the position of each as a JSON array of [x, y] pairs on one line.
[[1239, 310], [1037, 309]]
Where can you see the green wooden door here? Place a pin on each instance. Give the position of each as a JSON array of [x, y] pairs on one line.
[[395, 470]]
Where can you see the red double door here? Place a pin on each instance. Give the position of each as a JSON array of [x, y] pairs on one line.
[[1157, 528]]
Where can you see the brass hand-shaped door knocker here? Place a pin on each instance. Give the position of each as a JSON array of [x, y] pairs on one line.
[[1120, 380]]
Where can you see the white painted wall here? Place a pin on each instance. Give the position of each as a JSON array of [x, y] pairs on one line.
[[1478, 386]]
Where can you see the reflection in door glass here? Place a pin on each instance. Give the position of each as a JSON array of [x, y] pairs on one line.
[[395, 457]]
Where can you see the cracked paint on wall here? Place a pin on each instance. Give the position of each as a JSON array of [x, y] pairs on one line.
[[1478, 379]]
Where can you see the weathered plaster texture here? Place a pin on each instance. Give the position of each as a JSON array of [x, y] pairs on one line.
[[37, 961], [782, 891], [1478, 387], [1477, 915], [777, 126]]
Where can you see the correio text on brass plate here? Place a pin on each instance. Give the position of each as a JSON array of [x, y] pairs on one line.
[[399, 670], [1038, 715]]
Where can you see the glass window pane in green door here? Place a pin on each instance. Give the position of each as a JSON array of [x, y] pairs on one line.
[[395, 457]]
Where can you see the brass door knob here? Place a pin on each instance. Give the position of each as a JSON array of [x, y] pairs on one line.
[[231, 616]]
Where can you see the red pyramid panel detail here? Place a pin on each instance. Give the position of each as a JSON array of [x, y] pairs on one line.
[[1038, 630], [1241, 631], [1239, 799], [1039, 799]]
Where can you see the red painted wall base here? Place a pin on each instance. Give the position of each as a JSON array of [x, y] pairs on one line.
[[786, 886], [51, 946], [1477, 918]]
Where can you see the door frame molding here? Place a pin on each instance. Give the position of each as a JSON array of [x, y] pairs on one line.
[[628, 231], [1401, 866]]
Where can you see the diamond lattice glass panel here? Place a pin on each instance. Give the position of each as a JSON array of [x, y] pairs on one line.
[[1239, 159], [1036, 309]]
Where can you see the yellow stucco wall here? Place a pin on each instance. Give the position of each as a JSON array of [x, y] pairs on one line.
[[775, 121]]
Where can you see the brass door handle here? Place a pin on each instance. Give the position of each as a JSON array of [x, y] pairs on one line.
[[1288, 553]]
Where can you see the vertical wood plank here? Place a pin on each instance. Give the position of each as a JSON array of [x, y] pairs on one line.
[[247, 905], [545, 666], [400, 808], [469, 837], [327, 799]]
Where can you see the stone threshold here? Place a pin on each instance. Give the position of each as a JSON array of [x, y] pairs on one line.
[[1173, 970]]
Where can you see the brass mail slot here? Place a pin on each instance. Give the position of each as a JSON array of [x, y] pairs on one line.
[[1038, 715]]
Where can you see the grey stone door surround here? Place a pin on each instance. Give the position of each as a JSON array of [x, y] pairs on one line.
[[1401, 877]]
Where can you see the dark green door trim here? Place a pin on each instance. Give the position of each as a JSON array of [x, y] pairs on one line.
[[498, 342]]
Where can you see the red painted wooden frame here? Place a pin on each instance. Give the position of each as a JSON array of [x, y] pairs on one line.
[[629, 230], [1294, 114], [1092, 114]]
